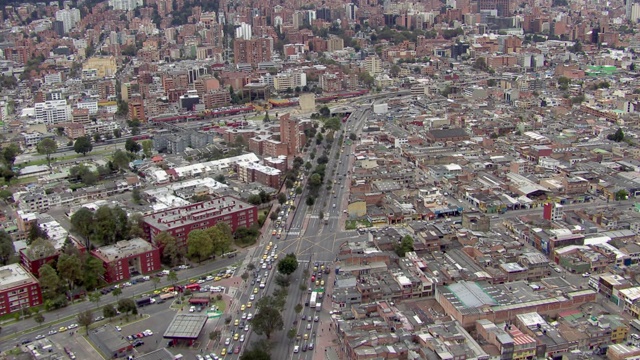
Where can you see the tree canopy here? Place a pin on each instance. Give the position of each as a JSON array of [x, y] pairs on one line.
[[47, 147], [105, 226], [288, 264], [83, 145]]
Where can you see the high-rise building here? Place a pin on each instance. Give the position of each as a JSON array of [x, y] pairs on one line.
[[350, 9], [552, 212], [504, 8], [373, 65], [244, 31], [291, 134], [53, 112], [69, 18], [125, 4], [252, 51]]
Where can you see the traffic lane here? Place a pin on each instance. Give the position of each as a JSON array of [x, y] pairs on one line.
[[76, 308]]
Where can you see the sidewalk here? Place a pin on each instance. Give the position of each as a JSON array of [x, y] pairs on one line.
[[327, 339]]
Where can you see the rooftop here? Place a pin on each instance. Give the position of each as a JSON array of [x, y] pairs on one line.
[[123, 249], [195, 213], [13, 275], [185, 326]]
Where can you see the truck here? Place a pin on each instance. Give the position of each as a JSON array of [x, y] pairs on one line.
[[326, 218], [193, 287], [167, 296], [312, 300], [145, 301]]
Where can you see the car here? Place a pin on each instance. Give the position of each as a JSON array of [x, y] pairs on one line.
[[586, 275], [99, 318], [138, 343], [249, 316], [207, 357], [316, 319], [306, 336], [199, 357], [63, 329], [308, 326], [317, 282], [209, 278], [249, 304], [236, 350], [227, 341], [264, 266], [321, 282], [52, 332], [252, 297], [236, 322], [242, 307], [296, 349], [73, 326], [304, 317], [223, 352], [192, 309], [244, 316], [304, 347], [242, 338], [214, 356], [557, 269], [201, 281], [236, 336], [246, 328], [131, 337], [310, 346], [275, 257], [25, 341], [41, 336], [148, 332], [262, 285], [217, 278]]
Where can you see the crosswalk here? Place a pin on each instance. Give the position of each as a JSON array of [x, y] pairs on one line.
[[293, 233]]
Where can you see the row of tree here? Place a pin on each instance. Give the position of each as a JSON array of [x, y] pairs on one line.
[[105, 226], [216, 240], [72, 270]]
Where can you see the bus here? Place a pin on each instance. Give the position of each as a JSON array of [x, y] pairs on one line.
[[326, 218], [635, 323], [193, 287], [312, 300]]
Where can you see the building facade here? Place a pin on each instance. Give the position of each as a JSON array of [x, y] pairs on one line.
[[18, 289], [128, 257]]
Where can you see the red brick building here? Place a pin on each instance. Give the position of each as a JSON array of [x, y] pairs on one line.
[[32, 261], [265, 175], [252, 51], [126, 257], [179, 221], [18, 289]]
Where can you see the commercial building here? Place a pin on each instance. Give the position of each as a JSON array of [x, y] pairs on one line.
[[110, 342], [53, 112], [185, 328], [18, 289], [128, 257], [180, 221]]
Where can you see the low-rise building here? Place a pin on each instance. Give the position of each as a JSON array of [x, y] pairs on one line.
[[19, 289], [127, 257]]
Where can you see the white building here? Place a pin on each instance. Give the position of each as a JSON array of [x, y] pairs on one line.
[[288, 79], [244, 31], [125, 4], [31, 138], [69, 18], [373, 65], [53, 78], [53, 112], [91, 105]]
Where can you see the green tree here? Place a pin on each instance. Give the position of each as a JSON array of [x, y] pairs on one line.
[[172, 277], [40, 249], [266, 117], [85, 319], [49, 282], [618, 136], [199, 245], [10, 153], [267, 320], [117, 133], [169, 246], [353, 136], [394, 71], [255, 354], [95, 297], [6, 195], [120, 159], [116, 292], [221, 237], [82, 145], [622, 195], [298, 308], [132, 146], [282, 198], [92, 272], [7, 251], [156, 281], [135, 196], [35, 232], [82, 221], [108, 311], [288, 264], [406, 245], [39, 318], [47, 147], [147, 147], [127, 306], [70, 269]]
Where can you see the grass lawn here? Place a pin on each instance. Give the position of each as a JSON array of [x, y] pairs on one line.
[[353, 224], [222, 306]]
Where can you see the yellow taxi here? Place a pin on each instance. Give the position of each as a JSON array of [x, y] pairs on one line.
[[62, 329], [322, 267], [217, 278], [255, 290], [249, 304], [274, 232], [317, 282], [306, 336], [192, 281], [321, 282], [157, 292], [270, 243], [236, 322], [264, 257], [226, 276], [315, 268], [268, 248], [242, 307], [223, 352], [236, 336], [275, 256]]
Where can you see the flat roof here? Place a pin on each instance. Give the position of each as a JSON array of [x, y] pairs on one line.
[[185, 326], [123, 249], [13, 275], [195, 213], [160, 354]]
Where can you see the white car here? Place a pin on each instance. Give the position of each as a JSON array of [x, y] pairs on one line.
[[227, 341], [147, 332], [246, 328], [72, 326], [118, 328], [249, 316], [244, 316], [252, 297], [192, 309], [296, 349], [209, 278], [40, 337], [242, 338]]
